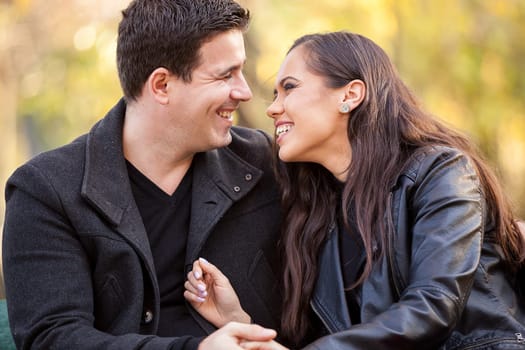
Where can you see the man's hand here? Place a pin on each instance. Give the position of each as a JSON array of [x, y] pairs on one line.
[[258, 345], [233, 334]]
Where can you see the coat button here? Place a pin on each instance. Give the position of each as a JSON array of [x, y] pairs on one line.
[[237, 189], [147, 317], [248, 177]]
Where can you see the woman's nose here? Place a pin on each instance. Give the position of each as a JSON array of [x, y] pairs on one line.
[[275, 109]]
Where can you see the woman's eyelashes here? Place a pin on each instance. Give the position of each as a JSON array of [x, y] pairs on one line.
[[286, 86], [289, 86]]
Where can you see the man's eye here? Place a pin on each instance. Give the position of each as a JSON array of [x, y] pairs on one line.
[[288, 86]]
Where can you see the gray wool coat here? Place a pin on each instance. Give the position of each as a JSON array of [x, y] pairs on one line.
[[77, 262]]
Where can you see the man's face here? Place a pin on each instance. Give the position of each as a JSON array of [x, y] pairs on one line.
[[204, 106]]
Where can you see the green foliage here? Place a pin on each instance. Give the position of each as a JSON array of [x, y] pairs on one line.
[[6, 340]]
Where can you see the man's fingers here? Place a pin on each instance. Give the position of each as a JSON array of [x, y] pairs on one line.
[[258, 345], [249, 332], [229, 336], [253, 345]]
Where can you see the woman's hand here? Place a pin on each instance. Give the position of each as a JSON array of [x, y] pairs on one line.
[[212, 295]]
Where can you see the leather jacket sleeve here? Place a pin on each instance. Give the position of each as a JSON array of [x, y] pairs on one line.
[[436, 248]]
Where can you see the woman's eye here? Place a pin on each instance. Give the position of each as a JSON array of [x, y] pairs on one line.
[[288, 86]]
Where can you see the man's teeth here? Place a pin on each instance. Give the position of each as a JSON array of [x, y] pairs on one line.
[[281, 129], [225, 115]]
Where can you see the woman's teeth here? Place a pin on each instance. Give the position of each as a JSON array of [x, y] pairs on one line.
[[281, 129]]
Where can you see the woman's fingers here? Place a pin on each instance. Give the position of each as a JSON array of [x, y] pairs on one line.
[[193, 297], [211, 271], [197, 270], [195, 283]]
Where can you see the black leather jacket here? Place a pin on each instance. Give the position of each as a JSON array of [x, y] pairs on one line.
[[441, 284]]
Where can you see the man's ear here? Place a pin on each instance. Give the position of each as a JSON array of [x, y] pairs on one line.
[[157, 84], [355, 92]]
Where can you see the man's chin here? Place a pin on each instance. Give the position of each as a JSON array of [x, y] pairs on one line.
[[223, 140], [227, 139]]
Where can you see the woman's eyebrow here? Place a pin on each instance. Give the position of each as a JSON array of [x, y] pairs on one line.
[[281, 82]]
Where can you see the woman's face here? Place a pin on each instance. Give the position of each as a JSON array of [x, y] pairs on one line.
[[308, 124]]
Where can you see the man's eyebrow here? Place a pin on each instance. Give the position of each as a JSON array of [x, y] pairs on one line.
[[232, 68]]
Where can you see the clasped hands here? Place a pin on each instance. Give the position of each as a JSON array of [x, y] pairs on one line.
[[212, 295]]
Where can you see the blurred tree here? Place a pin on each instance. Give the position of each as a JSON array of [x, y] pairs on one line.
[[9, 82], [56, 74], [464, 59]]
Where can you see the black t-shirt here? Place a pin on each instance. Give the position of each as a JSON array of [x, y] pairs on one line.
[[351, 252], [166, 219], [351, 256]]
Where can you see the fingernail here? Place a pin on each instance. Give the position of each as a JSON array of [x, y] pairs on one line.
[[201, 287], [201, 300], [203, 293], [197, 274], [203, 260]]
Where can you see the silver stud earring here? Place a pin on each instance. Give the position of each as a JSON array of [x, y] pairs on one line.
[[344, 108]]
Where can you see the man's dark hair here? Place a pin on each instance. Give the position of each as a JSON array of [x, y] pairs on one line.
[[169, 33]]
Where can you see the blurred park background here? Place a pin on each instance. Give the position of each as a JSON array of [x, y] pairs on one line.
[[465, 59]]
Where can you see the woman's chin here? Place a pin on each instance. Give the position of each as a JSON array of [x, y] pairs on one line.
[[287, 157]]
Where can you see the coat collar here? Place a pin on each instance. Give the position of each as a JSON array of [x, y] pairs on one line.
[[220, 178], [106, 183]]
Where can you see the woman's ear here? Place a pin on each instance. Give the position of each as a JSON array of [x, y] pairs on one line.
[[157, 84], [355, 92]]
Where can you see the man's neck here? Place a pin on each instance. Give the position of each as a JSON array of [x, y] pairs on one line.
[[145, 146]]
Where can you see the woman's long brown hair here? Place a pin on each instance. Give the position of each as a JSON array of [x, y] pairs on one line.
[[384, 131]]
